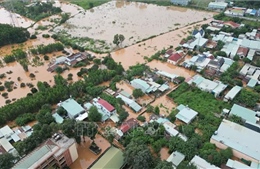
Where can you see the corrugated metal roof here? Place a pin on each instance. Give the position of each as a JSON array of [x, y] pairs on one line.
[[201, 163], [58, 118], [176, 158], [244, 113], [233, 92], [72, 107], [252, 82], [186, 115]]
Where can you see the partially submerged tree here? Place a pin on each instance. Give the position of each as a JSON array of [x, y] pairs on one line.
[[118, 39]]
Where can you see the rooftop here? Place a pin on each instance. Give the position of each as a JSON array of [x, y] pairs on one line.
[[170, 128], [106, 105], [242, 51], [176, 158], [238, 138], [200, 163], [244, 113], [175, 57], [236, 165], [142, 83], [57, 118], [112, 159], [186, 115], [129, 124], [72, 107], [233, 92]]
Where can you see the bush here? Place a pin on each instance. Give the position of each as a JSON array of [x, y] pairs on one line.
[[24, 119], [138, 93], [141, 118], [33, 36], [46, 35], [22, 85], [46, 57], [2, 88]]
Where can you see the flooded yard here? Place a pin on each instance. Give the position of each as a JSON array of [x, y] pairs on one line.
[[170, 68], [122, 85], [122, 17], [86, 157], [164, 153], [165, 105]]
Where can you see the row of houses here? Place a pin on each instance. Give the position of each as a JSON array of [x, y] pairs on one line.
[[251, 75], [240, 12]]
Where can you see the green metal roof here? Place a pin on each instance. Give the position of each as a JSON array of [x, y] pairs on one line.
[[72, 107], [244, 113], [32, 158], [57, 118], [252, 83], [112, 159]]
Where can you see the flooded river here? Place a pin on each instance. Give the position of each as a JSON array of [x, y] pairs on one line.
[[134, 20]]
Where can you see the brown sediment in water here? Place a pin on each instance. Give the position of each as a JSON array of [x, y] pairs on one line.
[[86, 157]]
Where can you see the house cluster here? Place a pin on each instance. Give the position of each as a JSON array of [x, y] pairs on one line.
[[240, 12], [215, 87], [148, 86], [9, 136], [70, 60], [250, 74], [174, 57]]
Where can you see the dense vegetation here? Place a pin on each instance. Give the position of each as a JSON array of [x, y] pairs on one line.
[[10, 35], [35, 11], [88, 4], [16, 55], [248, 4], [41, 49], [247, 98]]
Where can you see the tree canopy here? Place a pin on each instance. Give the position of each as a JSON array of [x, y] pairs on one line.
[[94, 115]]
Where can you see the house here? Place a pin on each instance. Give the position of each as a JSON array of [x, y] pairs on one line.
[[167, 75], [140, 84], [231, 49], [215, 64], [211, 44], [251, 54], [245, 113], [240, 139], [242, 52], [232, 93], [175, 58], [198, 33], [232, 24], [72, 107], [113, 158], [251, 35], [168, 53], [237, 165], [57, 118], [251, 44], [75, 58], [129, 102], [59, 151], [251, 12], [235, 12], [176, 158], [170, 128], [227, 63], [103, 105], [198, 42], [180, 2], [217, 5], [186, 114], [129, 124], [200, 163], [252, 83]]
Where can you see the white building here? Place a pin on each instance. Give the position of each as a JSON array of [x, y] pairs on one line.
[[103, 105], [218, 5], [186, 114], [175, 158], [200, 163], [232, 93]]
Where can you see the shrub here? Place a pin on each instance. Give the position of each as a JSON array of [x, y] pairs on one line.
[[141, 118]]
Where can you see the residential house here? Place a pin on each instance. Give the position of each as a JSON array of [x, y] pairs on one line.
[[233, 164], [251, 12], [175, 58], [140, 84], [198, 33], [240, 139], [251, 44], [58, 118], [242, 52], [167, 75], [195, 43], [168, 53], [103, 105], [217, 5], [72, 107], [251, 72], [227, 63], [175, 158], [186, 114], [251, 54], [232, 24], [200, 163], [231, 49], [129, 102], [112, 158], [129, 124], [59, 151], [238, 12], [215, 64], [75, 58], [180, 2], [251, 35], [232, 93], [211, 44], [215, 25], [170, 128], [252, 83]]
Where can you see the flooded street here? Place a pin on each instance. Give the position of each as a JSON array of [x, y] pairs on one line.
[[86, 157], [136, 21]]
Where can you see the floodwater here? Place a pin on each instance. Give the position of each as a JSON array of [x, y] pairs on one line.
[[134, 20], [122, 85], [14, 19], [165, 105], [164, 153], [135, 54], [86, 157], [170, 68]]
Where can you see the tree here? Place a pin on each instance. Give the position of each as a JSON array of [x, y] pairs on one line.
[[118, 39], [150, 109], [141, 118], [94, 115], [7, 160], [163, 165], [31, 75], [137, 93], [62, 112], [138, 155], [247, 97], [123, 115], [59, 70], [157, 110]]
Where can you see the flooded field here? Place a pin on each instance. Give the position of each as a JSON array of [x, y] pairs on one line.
[[122, 17], [86, 157], [135, 54]]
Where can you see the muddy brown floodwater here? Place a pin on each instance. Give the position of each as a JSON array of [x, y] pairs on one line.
[[134, 20], [86, 157]]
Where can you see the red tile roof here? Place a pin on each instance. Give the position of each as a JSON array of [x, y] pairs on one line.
[[169, 52], [129, 124], [242, 51], [106, 105], [232, 24], [175, 57]]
